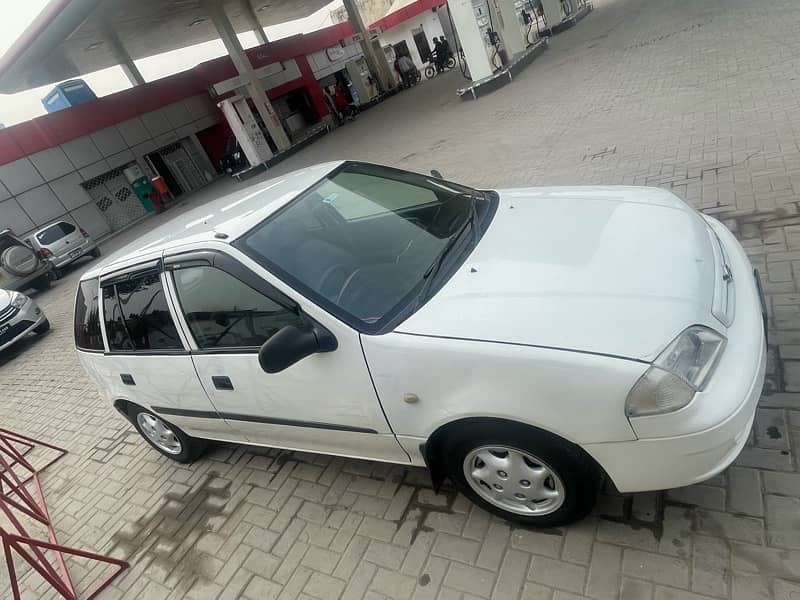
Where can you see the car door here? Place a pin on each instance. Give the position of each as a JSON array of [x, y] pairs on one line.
[[147, 361], [323, 403]]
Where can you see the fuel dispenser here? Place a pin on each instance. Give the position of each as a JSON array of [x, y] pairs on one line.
[[528, 20], [363, 83], [494, 45], [246, 128]]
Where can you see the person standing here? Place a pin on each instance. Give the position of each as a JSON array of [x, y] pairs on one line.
[[445, 49], [438, 52], [342, 105], [407, 69], [328, 93]]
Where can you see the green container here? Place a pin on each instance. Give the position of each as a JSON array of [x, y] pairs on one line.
[[141, 184], [143, 188]]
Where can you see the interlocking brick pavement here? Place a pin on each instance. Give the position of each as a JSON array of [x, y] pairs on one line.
[[701, 98]]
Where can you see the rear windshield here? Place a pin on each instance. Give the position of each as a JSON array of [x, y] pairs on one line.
[[55, 233], [87, 317]]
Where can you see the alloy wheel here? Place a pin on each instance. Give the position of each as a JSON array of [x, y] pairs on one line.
[[159, 433]]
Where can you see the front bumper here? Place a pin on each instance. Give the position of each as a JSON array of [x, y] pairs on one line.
[[718, 420], [23, 321]]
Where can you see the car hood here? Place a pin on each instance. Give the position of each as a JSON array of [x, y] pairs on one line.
[[5, 299], [619, 271]]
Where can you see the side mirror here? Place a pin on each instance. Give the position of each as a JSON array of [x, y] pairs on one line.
[[291, 345], [436, 174]]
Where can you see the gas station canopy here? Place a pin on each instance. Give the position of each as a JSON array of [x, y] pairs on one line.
[[73, 37]]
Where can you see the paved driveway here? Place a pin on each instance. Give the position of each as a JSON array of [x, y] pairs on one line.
[[697, 97]]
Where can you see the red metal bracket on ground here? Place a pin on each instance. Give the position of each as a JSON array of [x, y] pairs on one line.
[[17, 500]]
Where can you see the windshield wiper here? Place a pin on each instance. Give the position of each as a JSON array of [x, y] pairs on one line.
[[469, 223]]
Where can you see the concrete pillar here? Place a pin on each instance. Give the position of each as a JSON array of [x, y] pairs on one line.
[[552, 12], [121, 55], [443, 13], [471, 37], [373, 53], [507, 25], [250, 16], [251, 84]]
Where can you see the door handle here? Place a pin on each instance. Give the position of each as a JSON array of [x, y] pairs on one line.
[[222, 383]]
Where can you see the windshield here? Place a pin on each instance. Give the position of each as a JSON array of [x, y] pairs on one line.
[[55, 233], [365, 241]]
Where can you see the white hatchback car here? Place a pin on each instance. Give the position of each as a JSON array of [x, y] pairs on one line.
[[523, 342]]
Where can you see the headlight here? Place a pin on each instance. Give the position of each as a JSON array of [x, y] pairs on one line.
[[18, 300], [681, 370]]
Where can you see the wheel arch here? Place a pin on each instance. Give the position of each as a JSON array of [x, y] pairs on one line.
[[123, 407], [434, 447]]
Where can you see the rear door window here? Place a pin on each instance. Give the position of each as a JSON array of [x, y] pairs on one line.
[[137, 316], [55, 233], [88, 335]]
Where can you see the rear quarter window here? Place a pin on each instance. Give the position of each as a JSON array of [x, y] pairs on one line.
[[88, 335]]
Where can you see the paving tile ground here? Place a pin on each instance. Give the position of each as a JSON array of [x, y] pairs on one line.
[[702, 98]]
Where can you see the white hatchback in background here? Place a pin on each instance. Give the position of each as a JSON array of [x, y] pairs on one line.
[[523, 342], [62, 243]]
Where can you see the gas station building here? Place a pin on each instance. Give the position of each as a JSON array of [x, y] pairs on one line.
[[82, 164]]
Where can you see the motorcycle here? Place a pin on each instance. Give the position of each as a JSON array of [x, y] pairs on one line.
[[412, 79], [431, 71]]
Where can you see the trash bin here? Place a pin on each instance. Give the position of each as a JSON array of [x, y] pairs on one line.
[[142, 186]]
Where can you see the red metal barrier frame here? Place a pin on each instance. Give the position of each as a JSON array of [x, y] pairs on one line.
[[14, 494]]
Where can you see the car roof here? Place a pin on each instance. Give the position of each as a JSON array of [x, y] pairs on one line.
[[51, 225], [232, 215]]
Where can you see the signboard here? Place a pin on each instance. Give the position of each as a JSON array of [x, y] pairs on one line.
[[234, 83], [335, 53]]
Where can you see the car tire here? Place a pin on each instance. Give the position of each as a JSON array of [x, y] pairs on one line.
[[43, 282], [43, 328], [170, 441], [56, 274], [96, 253], [543, 480]]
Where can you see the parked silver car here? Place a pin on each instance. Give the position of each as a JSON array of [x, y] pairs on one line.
[[20, 266], [62, 243], [19, 316]]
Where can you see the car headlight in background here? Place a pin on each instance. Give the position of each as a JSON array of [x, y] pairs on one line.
[[18, 300], [681, 370]]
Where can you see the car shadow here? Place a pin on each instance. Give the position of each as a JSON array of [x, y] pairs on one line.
[[20, 347], [75, 266]]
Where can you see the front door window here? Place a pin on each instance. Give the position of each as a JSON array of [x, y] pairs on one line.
[[223, 312]]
